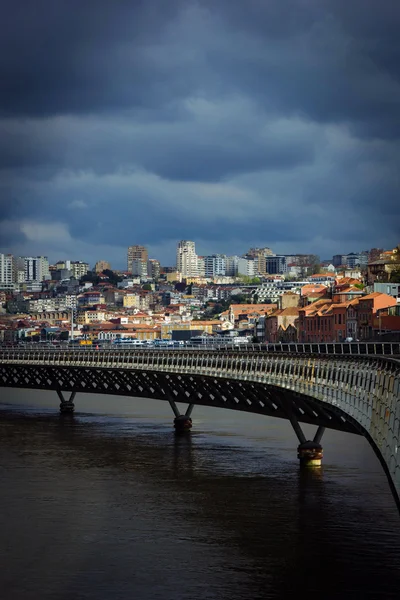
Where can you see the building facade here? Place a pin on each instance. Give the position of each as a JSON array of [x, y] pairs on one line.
[[153, 268], [102, 265], [136, 253], [214, 265], [276, 265], [6, 272], [79, 269], [139, 267], [231, 266], [186, 259], [247, 267]]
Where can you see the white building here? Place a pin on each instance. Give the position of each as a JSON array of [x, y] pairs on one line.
[[79, 269], [231, 265], [34, 268], [6, 272], [138, 267], [186, 259], [215, 265], [247, 266]]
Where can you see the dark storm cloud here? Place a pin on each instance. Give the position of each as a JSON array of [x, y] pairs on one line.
[[275, 121], [61, 56]]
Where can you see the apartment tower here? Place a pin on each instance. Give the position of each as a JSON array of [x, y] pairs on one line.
[[186, 259], [137, 253]]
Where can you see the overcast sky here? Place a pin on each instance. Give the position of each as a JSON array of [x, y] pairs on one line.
[[233, 123]]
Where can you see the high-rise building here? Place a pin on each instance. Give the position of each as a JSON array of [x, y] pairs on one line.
[[153, 268], [34, 268], [139, 267], [259, 255], [186, 259], [215, 265], [6, 272], [136, 253], [247, 266], [231, 266], [338, 260], [276, 265], [102, 265], [201, 267]]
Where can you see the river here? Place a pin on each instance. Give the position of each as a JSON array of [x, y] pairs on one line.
[[109, 504]]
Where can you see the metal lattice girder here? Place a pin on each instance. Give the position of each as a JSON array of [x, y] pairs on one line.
[[350, 393]]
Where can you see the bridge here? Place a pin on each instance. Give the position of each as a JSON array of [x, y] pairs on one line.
[[355, 393]]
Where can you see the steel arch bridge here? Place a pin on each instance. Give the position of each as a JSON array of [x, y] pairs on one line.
[[356, 394]]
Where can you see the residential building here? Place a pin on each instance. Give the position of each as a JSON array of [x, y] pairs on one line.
[[247, 266], [153, 268], [214, 265], [139, 267], [102, 265], [315, 322], [63, 264], [387, 321], [280, 318], [6, 272], [131, 300], [186, 259], [136, 253], [338, 260], [90, 298], [259, 255], [352, 320], [34, 268], [367, 310], [392, 289], [231, 266], [201, 267], [79, 269], [276, 264]]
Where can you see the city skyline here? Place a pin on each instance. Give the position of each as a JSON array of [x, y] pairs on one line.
[[125, 264], [231, 124]]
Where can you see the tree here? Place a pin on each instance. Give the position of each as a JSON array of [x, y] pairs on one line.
[[91, 277], [239, 299], [112, 276], [147, 286], [395, 276]]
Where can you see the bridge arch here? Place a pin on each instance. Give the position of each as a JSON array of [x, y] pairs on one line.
[[360, 395]]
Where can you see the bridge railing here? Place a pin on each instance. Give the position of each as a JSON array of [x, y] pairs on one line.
[[353, 348]]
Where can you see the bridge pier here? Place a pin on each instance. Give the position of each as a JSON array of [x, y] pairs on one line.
[[182, 423], [309, 452], [66, 406]]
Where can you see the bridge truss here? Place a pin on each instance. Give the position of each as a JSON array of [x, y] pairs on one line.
[[356, 394]]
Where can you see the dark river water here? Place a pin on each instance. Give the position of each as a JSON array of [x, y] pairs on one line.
[[109, 504]]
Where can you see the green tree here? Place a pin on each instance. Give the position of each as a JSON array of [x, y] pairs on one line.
[[112, 276], [147, 286], [395, 276], [91, 277]]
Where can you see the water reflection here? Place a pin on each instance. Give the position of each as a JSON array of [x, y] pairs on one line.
[[130, 507]]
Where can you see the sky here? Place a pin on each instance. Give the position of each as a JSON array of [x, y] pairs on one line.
[[228, 122]]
